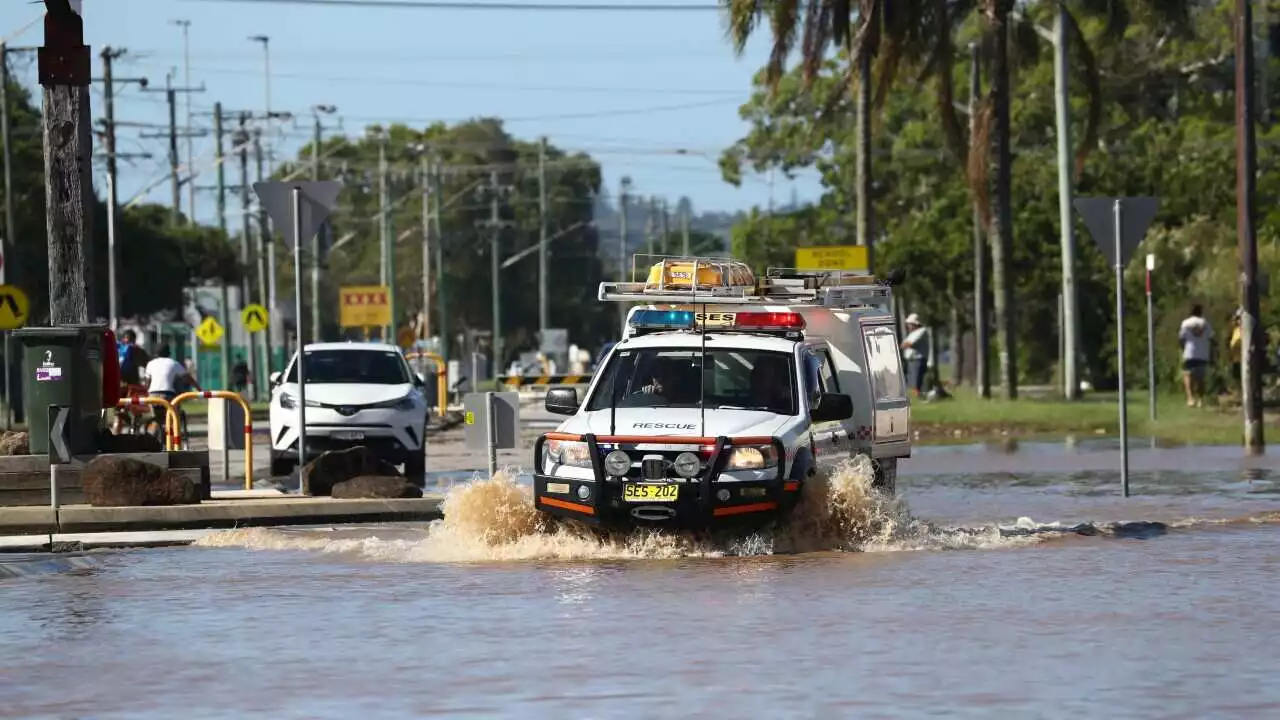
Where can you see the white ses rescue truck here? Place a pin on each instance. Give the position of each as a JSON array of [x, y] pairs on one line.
[[723, 395]]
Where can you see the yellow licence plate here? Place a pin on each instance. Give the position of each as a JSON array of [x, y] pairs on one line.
[[665, 492]]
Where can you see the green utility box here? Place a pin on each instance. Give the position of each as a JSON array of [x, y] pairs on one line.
[[63, 366]]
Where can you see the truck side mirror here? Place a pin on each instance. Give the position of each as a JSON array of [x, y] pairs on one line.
[[832, 406], [562, 401]]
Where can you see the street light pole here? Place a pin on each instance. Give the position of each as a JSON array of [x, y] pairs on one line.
[[186, 71], [266, 58]]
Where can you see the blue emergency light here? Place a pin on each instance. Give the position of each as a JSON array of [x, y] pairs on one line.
[[662, 320]]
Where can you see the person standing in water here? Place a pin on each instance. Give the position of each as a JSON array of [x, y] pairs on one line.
[[1195, 335]]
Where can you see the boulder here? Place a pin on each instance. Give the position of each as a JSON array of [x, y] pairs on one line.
[[15, 443], [111, 481], [335, 466], [374, 486]]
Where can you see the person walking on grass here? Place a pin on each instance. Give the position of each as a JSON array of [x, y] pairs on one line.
[[915, 351], [1233, 350], [1195, 335]]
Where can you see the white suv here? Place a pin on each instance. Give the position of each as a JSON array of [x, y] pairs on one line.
[[357, 394]]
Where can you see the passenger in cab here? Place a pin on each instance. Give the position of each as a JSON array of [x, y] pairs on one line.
[[771, 384]]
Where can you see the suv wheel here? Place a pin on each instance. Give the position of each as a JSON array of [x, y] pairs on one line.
[[415, 467], [282, 466]]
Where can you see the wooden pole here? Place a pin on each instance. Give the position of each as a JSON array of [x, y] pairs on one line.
[[68, 145]]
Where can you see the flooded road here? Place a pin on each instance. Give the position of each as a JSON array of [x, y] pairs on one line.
[[1014, 583]]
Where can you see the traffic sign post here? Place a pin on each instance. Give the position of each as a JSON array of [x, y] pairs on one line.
[[209, 331], [1118, 225], [1151, 340], [14, 307], [255, 318], [297, 210]]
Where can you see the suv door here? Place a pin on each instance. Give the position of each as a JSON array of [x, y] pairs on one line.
[[888, 387]]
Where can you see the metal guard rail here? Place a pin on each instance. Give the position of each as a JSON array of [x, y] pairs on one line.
[[248, 424], [170, 416], [442, 379]]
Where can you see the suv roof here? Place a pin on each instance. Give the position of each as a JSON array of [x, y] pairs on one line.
[[350, 346]]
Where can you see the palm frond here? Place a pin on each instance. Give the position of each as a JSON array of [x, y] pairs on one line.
[[944, 51], [979, 166], [744, 16], [1093, 88], [784, 20], [817, 36]]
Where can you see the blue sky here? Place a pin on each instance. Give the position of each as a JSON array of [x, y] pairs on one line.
[[537, 69]]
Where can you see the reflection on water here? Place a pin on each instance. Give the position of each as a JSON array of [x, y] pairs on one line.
[[1079, 603]]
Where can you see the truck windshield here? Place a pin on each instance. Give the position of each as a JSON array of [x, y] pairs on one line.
[[735, 379], [343, 367]]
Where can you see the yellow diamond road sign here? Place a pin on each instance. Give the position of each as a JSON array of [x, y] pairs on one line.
[[14, 307], [209, 332], [254, 318]]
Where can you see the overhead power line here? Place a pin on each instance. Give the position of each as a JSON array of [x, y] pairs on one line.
[[506, 6]]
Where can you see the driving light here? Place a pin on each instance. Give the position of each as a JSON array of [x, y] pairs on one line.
[[752, 458], [687, 464], [722, 495], [569, 452], [617, 463], [584, 492]]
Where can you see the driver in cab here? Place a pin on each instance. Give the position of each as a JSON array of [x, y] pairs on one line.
[[667, 384]]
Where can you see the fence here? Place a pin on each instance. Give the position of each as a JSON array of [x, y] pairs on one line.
[[170, 416], [248, 425]]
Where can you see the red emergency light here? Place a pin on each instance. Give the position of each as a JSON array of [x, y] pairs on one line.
[[769, 321]]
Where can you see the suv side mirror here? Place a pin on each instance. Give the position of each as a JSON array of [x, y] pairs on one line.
[[419, 379], [562, 401], [275, 378], [832, 406]]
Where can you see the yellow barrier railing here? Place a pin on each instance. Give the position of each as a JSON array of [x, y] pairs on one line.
[[170, 415], [248, 425], [442, 378]]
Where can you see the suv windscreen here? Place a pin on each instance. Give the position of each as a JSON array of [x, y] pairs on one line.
[[733, 379], [338, 367]]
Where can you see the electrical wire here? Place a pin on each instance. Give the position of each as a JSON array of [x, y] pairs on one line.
[[466, 5]]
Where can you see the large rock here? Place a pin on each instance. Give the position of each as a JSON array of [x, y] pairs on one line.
[[110, 481], [15, 443], [367, 487], [331, 468]]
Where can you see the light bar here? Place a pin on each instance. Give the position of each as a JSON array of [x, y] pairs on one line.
[[769, 321], [662, 319]]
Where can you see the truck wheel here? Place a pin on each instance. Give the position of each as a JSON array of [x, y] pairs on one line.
[[415, 467], [886, 475]]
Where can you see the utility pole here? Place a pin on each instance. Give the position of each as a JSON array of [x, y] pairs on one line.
[[623, 199], [191, 158], [981, 326], [425, 171], [495, 225], [267, 262], [316, 244], [1062, 104], [68, 143], [684, 231], [246, 253], [1246, 172], [543, 312], [665, 226], [219, 159], [175, 161], [651, 228], [384, 231], [441, 297]]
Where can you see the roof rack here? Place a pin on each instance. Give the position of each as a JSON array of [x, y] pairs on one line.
[[728, 281]]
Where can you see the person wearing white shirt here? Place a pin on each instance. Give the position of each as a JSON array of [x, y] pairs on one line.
[[165, 378], [1195, 335], [915, 351]]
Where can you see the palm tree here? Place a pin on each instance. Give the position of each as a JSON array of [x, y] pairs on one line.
[[879, 33]]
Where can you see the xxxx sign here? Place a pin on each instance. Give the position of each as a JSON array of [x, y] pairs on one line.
[[364, 306]]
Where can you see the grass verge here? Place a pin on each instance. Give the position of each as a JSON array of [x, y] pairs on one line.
[[967, 418]]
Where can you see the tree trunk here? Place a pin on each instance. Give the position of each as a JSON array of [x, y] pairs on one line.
[[1002, 224], [862, 193], [955, 335], [68, 170]]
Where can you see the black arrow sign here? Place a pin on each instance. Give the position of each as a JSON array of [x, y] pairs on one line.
[[256, 316], [9, 301]]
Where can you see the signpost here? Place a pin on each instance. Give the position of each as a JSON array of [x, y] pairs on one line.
[[492, 420], [14, 307], [833, 257], [1151, 340], [364, 306], [297, 210], [1118, 225], [59, 448]]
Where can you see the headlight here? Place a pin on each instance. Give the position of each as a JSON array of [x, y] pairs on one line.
[[617, 463], [569, 452], [752, 458], [687, 464], [408, 402], [288, 402]]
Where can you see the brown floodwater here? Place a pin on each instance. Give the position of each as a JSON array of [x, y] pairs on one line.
[[1008, 580]]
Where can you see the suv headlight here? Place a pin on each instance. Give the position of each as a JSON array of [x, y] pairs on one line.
[[752, 457], [569, 452], [288, 402], [408, 402]]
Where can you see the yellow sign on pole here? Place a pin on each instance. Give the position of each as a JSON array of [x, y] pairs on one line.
[[364, 306], [14, 307], [254, 318], [832, 257], [209, 332]]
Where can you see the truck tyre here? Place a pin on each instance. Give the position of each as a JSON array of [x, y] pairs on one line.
[[886, 475]]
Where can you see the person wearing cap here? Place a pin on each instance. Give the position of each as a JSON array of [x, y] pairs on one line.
[[915, 351]]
